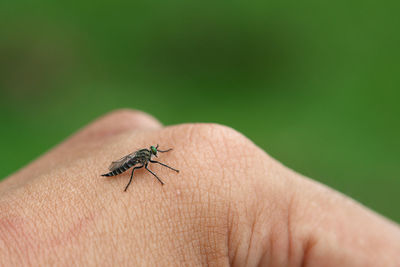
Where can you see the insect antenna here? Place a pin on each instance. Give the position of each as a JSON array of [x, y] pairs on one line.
[[162, 151]]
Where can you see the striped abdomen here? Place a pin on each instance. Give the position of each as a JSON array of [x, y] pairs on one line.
[[122, 169]]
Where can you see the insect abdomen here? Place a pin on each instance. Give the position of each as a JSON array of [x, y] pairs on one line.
[[121, 169]]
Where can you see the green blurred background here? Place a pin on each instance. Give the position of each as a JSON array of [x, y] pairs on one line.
[[314, 83]]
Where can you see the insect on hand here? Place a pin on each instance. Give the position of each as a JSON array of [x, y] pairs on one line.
[[141, 158]]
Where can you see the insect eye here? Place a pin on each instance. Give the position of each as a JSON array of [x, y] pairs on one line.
[[153, 150]]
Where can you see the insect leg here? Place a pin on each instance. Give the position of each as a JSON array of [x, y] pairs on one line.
[[162, 183], [165, 165], [130, 180]]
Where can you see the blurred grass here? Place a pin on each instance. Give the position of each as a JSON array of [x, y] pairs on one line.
[[314, 83]]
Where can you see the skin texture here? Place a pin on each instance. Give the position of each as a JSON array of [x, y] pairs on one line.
[[231, 204]]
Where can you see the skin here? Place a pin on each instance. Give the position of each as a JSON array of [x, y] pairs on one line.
[[231, 204]]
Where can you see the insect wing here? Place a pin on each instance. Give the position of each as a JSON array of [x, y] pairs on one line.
[[118, 163]]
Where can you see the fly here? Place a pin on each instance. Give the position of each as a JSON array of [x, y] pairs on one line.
[[141, 158]]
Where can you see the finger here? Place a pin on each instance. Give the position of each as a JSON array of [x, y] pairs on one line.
[[84, 140]]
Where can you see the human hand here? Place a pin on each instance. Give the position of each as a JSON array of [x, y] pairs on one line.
[[230, 204]]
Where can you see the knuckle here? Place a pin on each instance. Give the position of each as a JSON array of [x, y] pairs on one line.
[[119, 115], [122, 112], [213, 150], [129, 117], [120, 121]]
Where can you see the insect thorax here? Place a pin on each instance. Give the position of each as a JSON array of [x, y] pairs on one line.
[[143, 153]]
